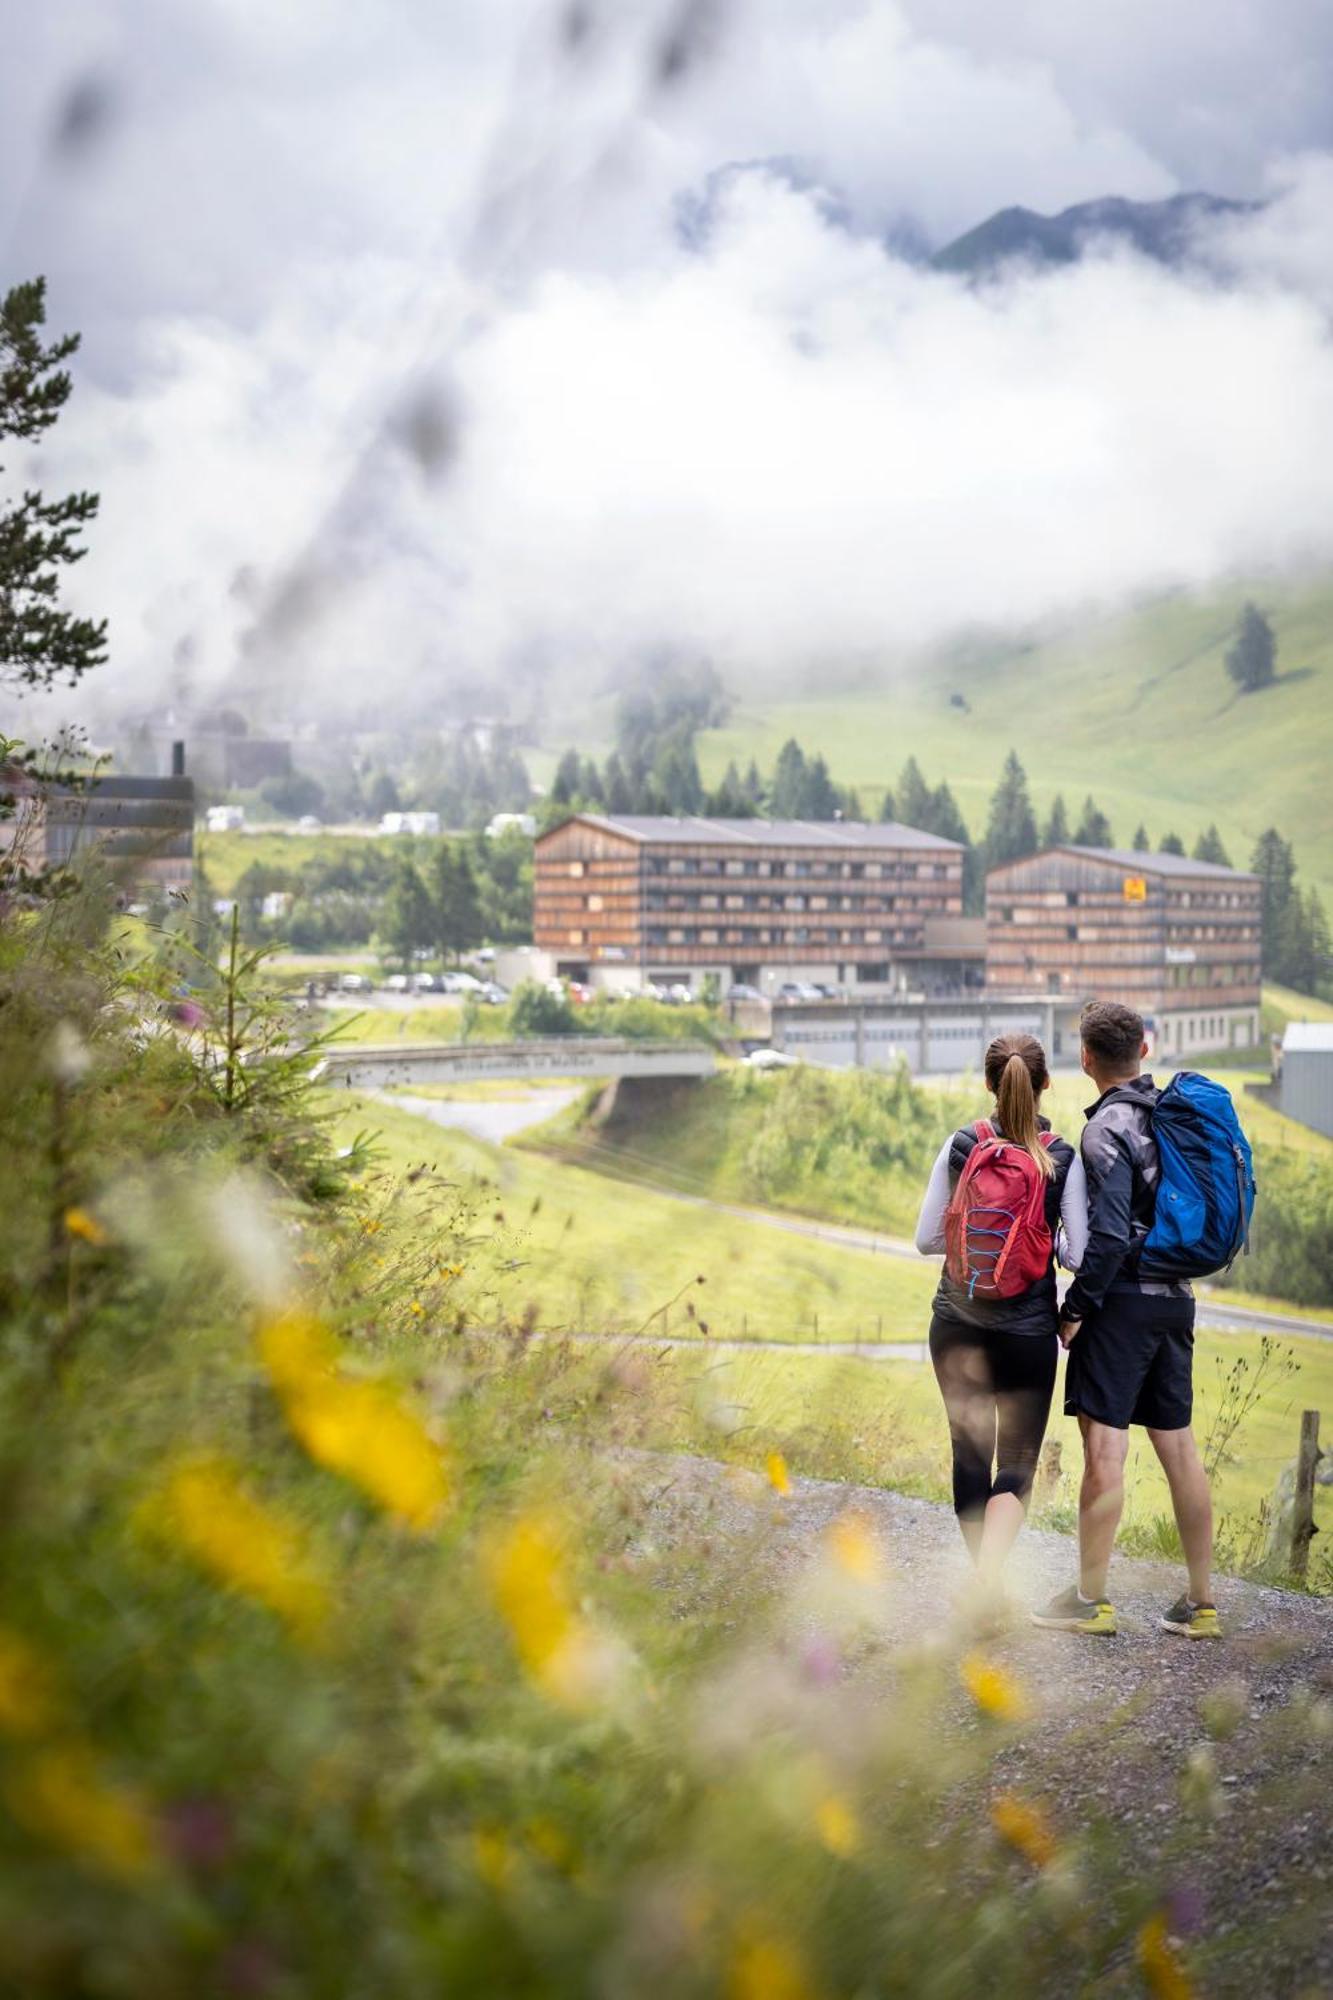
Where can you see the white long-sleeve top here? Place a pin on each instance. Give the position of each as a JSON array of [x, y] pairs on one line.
[[1071, 1238]]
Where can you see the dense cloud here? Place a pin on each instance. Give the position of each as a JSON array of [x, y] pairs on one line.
[[399, 360]]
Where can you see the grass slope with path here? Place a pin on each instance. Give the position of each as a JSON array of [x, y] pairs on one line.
[[604, 1255]]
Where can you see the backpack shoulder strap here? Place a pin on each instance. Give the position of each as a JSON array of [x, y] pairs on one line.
[[983, 1128]]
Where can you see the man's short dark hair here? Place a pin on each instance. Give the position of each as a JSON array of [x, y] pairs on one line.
[[1113, 1034]]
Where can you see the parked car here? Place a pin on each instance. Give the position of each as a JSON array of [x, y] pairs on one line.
[[399, 982], [770, 1059], [355, 982], [740, 991], [794, 992], [493, 994]]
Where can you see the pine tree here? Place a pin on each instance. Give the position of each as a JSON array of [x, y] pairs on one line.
[[1011, 831], [1170, 843], [915, 798], [1056, 831], [1094, 828], [820, 799], [754, 785], [1252, 660], [619, 798], [1140, 843], [455, 905], [787, 793], [409, 915], [568, 778], [1275, 865], [1208, 847], [676, 771], [591, 783], [39, 643], [888, 808]]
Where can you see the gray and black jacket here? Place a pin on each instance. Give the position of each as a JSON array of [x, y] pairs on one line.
[[1120, 1160]]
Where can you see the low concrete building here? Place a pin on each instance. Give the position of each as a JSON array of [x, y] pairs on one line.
[[939, 1037], [1305, 1080], [143, 828]]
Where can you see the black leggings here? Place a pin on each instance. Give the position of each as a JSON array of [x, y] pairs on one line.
[[997, 1390]]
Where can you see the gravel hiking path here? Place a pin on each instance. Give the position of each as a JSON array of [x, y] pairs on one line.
[[1114, 1720]]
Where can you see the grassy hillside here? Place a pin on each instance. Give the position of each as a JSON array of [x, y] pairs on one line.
[[595, 1257], [227, 855], [1137, 708]]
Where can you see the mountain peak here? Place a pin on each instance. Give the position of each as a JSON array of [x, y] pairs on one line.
[[1162, 230]]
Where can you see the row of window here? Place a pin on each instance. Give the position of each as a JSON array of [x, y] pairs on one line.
[[924, 871], [793, 934], [875, 905]]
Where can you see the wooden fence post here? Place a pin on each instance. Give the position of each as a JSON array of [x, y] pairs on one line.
[[1302, 1509], [1048, 1470]]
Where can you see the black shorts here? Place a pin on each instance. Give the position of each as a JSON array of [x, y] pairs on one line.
[[1132, 1362]]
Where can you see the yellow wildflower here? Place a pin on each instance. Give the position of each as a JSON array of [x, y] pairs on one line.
[[837, 1827], [855, 1548], [451, 1270], [993, 1689], [28, 1705], [370, 1226], [1163, 1974], [493, 1856], [60, 1795], [766, 1968], [361, 1430], [78, 1222], [204, 1509], [775, 1465], [415, 1307], [1024, 1827], [525, 1569]]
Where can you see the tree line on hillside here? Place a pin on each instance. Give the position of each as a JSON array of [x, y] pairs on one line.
[[461, 894]]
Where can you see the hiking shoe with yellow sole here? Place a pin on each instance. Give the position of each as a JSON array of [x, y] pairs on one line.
[[1192, 1621], [1071, 1612]]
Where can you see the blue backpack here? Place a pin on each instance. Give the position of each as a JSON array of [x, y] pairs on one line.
[[1205, 1196]]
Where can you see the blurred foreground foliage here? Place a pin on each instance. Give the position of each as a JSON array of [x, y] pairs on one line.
[[342, 1650]]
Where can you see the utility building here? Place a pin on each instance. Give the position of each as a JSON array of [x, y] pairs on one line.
[[1177, 940], [1304, 1089], [627, 899]]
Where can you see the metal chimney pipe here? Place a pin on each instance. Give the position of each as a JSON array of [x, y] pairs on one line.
[[178, 760]]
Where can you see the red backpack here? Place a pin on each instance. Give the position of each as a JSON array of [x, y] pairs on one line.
[[997, 1241]]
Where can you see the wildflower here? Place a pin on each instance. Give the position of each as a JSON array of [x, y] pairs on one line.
[[837, 1827], [451, 1270], [361, 1430], [775, 1465], [27, 1690], [1163, 1974], [1024, 1827], [493, 1856], [204, 1510], [78, 1222], [855, 1548], [60, 1795], [415, 1307], [766, 1968], [993, 1689], [561, 1651], [370, 1227]]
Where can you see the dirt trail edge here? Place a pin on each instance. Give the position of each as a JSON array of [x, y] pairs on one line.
[[1114, 1720]]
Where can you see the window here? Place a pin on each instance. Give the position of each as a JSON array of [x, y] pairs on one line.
[[576, 869], [576, 937], [594, 902]]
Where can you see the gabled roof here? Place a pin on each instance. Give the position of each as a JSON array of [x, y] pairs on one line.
[[834, 833], [1145, 863], [1137, 862]]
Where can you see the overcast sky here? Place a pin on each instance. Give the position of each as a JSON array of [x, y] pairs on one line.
[[428, 337]]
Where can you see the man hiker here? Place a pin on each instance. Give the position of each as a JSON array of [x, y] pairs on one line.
[[1130, 1341]]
